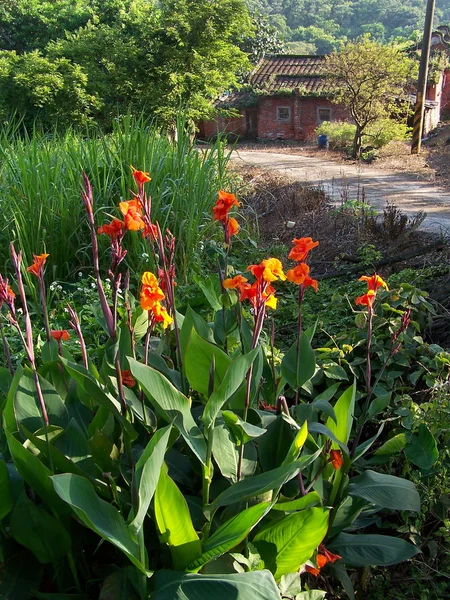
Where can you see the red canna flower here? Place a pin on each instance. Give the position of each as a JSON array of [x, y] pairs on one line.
[[301, 248], [60, 334], [223, 205], [39, 262], [366, 299], [312, 570], [128, 379], [336, 459], [329, 556], [113, 229], [141, 177], [300, 276], [151, 231]]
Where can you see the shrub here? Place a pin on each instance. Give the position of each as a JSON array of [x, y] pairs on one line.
[[378, 134]]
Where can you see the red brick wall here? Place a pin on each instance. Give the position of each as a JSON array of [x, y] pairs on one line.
[[301, 125], [445, 95], [236, 125], [304, 117]]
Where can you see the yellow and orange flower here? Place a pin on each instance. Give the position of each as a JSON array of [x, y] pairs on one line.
[[141, 177], [113, 229], [161, 315], [235, 282], [39, 262], [374, 282], [336, 459], [301, 248], [151, 293], [60, 334]]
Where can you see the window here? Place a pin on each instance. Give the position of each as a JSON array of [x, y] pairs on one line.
[[283, 113], [323, 114]]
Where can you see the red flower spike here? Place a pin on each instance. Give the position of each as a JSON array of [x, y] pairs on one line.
[[336, 459]]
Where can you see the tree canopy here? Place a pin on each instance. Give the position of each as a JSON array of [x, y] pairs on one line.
[[371, 80]]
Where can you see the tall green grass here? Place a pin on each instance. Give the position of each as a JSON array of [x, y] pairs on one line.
[[40, 183]]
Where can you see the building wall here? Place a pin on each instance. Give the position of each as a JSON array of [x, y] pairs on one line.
[[235, 125], [304, 117], [445, 95]]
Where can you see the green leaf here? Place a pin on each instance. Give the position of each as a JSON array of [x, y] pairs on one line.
[[347, 512], [6, 499], [257, 585], [378, 405], [175, 523], [226, 454], [274, 446], [9, 419], [171, 405], [35, 473], [297, 444], [372, 549], [324, 430], [242, 431], [233, 379], [289, 543], [148, 469], [298, 368], [119, 586], [98, 515], [343, 409], [19, 577], [393, 446], [192, 320], [311, 595], [259, 484], [385, 490], [325, 407], [334, 371], [27, 408], [40, 532], [230, 534], [421, 448], [95, 391], [197, 362], [308, 501]]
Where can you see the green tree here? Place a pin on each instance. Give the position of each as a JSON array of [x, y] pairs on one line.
[[370, 80]]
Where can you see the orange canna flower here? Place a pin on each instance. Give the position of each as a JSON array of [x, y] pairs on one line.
[[141, 177], [301, 248], [150, 296], [113, 229], [336, 459], [60, 334], [321, 560], [224, 203], [128, 379], [151, 231], [232, 226], [235, 282], [366, 299], [132, 212], [39, 262], [312, 570], [374, 282], [6, 293]]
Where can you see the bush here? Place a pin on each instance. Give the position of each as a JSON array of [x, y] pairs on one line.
[[377, 135], [340, 133]]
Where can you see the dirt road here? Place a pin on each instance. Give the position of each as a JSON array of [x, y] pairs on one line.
[[347, 182]]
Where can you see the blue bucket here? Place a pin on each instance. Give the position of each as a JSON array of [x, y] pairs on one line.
[[322, 142]]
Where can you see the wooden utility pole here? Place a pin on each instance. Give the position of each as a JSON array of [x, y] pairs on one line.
[[419, 109]]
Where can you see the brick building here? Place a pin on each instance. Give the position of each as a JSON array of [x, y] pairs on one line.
[[288, 99]]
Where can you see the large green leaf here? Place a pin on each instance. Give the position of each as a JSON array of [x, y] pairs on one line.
[[289, 543], [19, 577], [99, 394], [421, 448], [171, 404], [226, 454], [192, 320], [148, 469], [242, 431], [307, 501], [233, 379], [274, 446], [9, 419], [257, 585], [175, 523], [343, 410], [385, 490], [26, 404], [372, 549], [35, 473], [40, 532], [298, 367], [230, 534], [6, 499], [197, 363], [98, 515], [259, 484]]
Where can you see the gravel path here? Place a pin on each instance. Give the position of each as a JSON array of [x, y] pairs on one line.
[[347, 182]]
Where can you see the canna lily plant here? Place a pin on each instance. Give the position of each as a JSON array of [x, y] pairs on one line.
[[185, 462]]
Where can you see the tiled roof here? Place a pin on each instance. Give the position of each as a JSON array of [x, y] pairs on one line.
[[286, 73]]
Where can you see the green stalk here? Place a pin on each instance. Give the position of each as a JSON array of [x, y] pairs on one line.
[[207, 477]]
